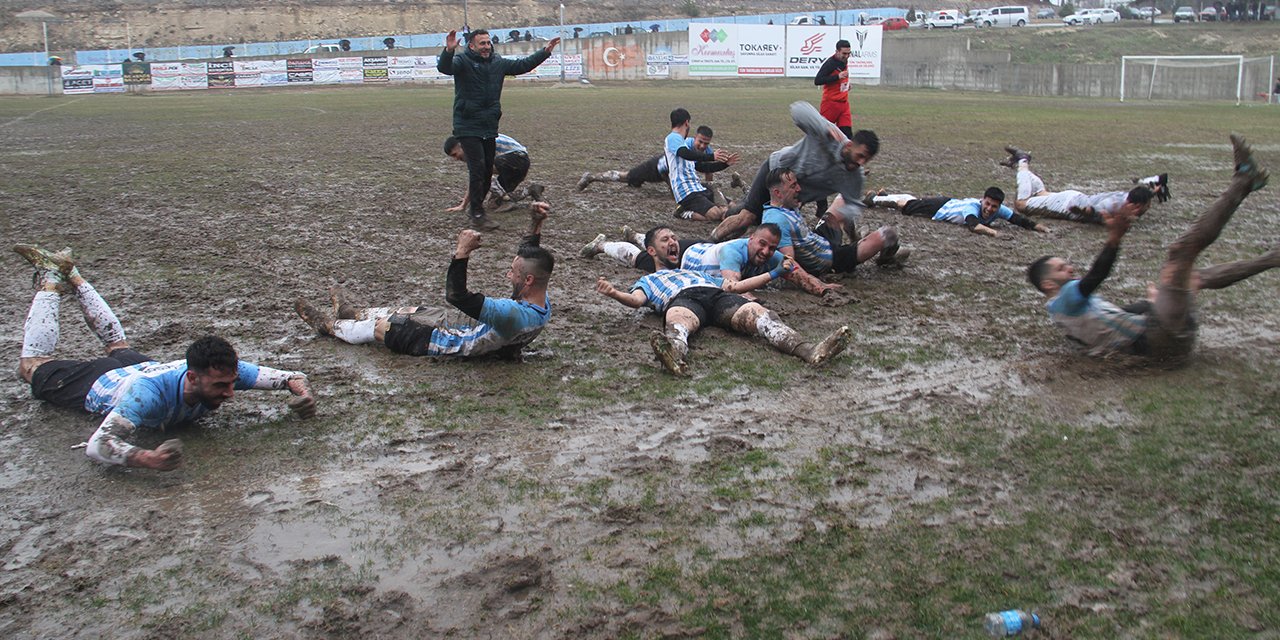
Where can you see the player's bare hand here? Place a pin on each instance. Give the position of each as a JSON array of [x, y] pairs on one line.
[[551, 45], [539, 210], [844, 74], [454, 208], [788, 264], [732, 158], [468, 241], [165, 457], [451, 40], [303, 403], [604, 287]]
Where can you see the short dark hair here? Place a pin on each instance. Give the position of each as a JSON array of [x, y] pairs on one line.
[[477, 32], [843, 44], [704, 130], [1139, 195], [648, 236], [449, 144], [770, 227], [774, 177], [211, 352], [868, 139], [995, 193], [537, 261], [679, 116], [1036, 271]]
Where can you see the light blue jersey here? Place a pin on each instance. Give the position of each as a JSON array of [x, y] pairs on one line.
[[1100, 326], [505, 144], [150, 394], [957, 210], [503, 322], [688, 142], [812, 251], [661, 287], [682, 173], [726, 256]]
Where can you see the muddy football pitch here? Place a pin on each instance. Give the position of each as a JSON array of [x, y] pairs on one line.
[[961, 457]]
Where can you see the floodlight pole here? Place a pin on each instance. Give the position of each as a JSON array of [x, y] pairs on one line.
[[44, 26], [563, 43], [466, 25]]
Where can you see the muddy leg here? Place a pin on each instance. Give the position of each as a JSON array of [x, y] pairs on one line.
[[1224, 275]]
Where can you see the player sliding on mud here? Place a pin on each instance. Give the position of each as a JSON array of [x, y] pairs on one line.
[[655, 168], [1034, 200], [1164, 326], [132, 390], [976, 214], [689, 300], [485, 324]]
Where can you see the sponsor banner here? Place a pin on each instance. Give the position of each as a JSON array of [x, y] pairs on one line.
[[550, 68], [136, 73], [247, 74], [166, 76], [222, 74], [573, 65], [808, 47], [658, 65], [865, 49], [107, 78], [193, 75], [375, 69], [350, 70], [298, 71], [325, 71], [762, 50], [77, 79], [713, 49]]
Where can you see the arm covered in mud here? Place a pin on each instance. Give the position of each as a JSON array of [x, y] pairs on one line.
[[109, 444], [455, 282]]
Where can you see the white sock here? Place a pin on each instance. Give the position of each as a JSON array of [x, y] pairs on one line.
[[40, 334], [681, 336], [896, 199], [98, 315], [777, 334], [624, 252], [611, 176], [1029, 183], [354, 331]]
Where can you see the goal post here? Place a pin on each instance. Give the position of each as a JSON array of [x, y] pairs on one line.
[[1195, 77]]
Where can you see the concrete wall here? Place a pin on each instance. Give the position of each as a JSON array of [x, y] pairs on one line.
[[29, 81]]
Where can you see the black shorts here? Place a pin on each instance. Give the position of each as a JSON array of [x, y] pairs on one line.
[[924, 207], [511, 169], [646, 171], [410, 334], [699, 202], [66, 383], [758, 194], [844, 257], [710, 303]]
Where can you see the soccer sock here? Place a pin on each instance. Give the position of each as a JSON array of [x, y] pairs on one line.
[[354, 331], [98, 314], [40, 333], [1029, 183], [624, 252], [780, 336], [679, 335], [610, 176], [896, 200]]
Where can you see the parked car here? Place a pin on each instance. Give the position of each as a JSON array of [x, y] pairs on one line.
[[1208, 14], [322, 48], [1147, 12], [1184, 14], [1092, 16], [895, 24], [975, 16], [803, 20], [1047, 12], [874, 20], [941, 20], [1012, 16]]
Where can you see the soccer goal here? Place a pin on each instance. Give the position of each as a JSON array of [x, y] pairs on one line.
[[1196, 77]]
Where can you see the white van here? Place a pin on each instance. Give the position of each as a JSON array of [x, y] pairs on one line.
[[1011, 16]]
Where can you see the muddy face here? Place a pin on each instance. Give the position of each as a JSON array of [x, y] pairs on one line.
[[211, 388], [666, 248]]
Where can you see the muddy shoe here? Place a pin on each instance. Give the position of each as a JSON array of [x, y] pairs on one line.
[[630, 235], [315, 318], [668, 354], [1245, 164], [681, 213], [735, 181], [1159, 185], [483, 223], [584, 181], [1016, 155], [42, 260], [830, 346], [535, 191], [341, 308], [896, 258], [593, 248]]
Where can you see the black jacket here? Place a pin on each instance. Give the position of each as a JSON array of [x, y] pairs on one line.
[[477, 88]]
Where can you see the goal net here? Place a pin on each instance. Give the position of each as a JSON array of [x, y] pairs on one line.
[[1196, 78]]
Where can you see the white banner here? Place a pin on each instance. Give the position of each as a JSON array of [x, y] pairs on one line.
[[808, 47], [865, 43], [325, 71], [166, 75], [713, 49], [658, 65], [761, 50]]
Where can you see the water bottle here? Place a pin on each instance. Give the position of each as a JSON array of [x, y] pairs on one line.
[[1010, 623]]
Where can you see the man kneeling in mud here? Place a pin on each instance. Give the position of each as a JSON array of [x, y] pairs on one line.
[[1164, 326], [132, 390], [689, 300], [485, 324]]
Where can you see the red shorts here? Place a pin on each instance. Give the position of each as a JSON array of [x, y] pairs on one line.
[[837, 113]]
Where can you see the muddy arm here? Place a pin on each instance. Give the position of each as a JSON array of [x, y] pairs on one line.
[[108, 445]]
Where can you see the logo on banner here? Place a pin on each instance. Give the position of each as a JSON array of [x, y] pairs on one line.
[[813, 43], [710, 35], [861, 36]]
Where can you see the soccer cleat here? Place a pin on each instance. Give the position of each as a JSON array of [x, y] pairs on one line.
[[681, 213], [42, 260], [668, 354], [1016, 155], [483, 223], [1159, 185], [1246, 165], [593, 248], [735, 181], [895, 256], [342, 309], [830, 347], [535, 191], [315, 318], [630, 235], [585, 180]]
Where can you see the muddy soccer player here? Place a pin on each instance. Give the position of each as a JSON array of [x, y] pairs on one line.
[[478, 324], [825, 161], [693, 199], [478, 74], [511, 162], [689, 300], [655, 169], [975, 214], [1164, 325], [1034, 200], [133, 391]]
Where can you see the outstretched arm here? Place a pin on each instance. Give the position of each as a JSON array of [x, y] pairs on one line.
[[445, 63], [1117, 225], [634, 299], [733, 283], [455, 282], [806, 280], [109, 444]]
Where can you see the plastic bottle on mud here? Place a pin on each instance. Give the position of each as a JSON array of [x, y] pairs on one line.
[[1010, 623]]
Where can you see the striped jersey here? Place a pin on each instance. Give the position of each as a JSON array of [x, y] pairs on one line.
[[726, 256], [661, 287], [503, 322], [956, 210], [682, 174], [812, 251], [505, 144], [688, 142], [1100, 326], [149, 394]]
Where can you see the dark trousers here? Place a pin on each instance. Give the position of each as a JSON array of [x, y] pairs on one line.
[[512, 169], [480, 153]]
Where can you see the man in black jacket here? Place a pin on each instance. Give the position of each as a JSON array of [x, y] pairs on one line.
[[478, 74]]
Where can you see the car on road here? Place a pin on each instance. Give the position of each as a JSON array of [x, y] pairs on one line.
[[322, 48], [1046, 12], [1208, 14], [1147, 12], [1184, 14], [1092, 16], [1012, 16], [895, 24], [943, 20]]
